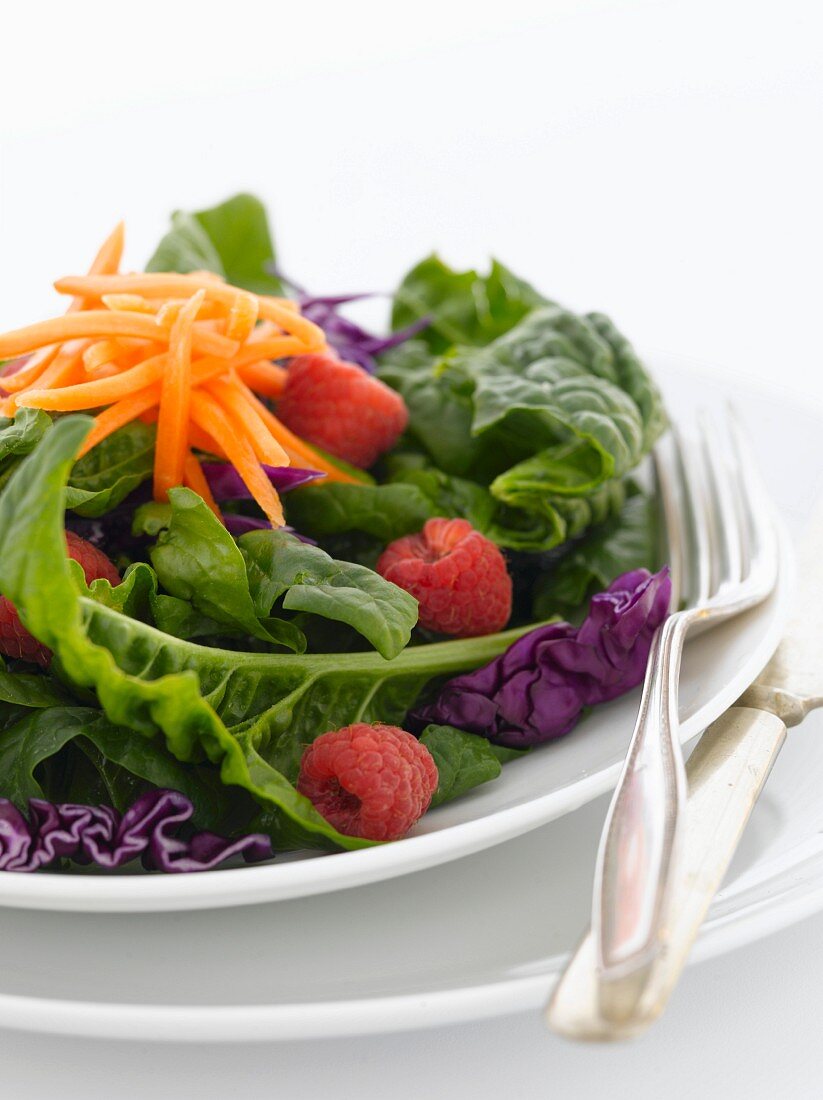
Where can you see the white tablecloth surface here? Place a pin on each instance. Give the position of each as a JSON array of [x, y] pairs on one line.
[[659, 160]]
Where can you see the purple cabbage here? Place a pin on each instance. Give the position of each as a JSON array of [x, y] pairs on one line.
[[349, 340], [241, 525], [226, 484], [100, 835], [537, 690]]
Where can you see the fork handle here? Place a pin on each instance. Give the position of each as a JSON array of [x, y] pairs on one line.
[[639, 847], [726, 773]]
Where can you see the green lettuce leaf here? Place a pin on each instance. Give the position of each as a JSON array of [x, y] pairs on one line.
[[249, 714], [464, 307], [232, 239]]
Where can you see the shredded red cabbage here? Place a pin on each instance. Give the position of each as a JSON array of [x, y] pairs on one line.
[[537, 690], [349, 340], [226, 484], [100, 835]]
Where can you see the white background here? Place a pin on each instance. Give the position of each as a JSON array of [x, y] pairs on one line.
[[660, 161]]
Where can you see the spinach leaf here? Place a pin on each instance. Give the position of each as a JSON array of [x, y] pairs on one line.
[[384, 511], [627, 541], [186, 247], [464, 307], [309, 580], [463, 761], [30, 742], [110, 471], [19, 436], [232, 239], [549, 417], [198, 561], [24, 689], [250, 714]]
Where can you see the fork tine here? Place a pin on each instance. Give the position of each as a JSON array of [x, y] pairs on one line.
[[724, 516], [674, 521], [694, 499]]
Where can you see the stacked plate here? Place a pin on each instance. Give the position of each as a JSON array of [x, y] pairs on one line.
[[355, 942]]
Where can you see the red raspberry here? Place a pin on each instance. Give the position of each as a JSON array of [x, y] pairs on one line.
[[458, 577], [342, 409], [370, 781], [15, 640]]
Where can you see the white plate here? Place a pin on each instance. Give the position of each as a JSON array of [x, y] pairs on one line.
[[483, 936], [552, 781]]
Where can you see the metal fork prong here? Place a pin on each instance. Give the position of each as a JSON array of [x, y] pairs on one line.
[[724, 515], [694, 498], [676, 520]]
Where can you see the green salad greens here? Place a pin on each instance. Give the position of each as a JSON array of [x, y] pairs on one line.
[[230, 646]]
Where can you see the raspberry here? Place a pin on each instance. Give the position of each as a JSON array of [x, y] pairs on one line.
[[342, 409], [15, 640], [458, 577], [369, 781]]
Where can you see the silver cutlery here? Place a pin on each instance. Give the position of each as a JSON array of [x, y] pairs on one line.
[[724, 556]]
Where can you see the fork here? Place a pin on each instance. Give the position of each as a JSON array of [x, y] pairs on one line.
[[724, 560]]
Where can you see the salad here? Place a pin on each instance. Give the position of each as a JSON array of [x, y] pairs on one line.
[[269, 581]]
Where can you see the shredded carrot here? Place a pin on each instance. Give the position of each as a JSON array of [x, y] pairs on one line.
[[204, 442], [157, 285], [189, 352], [208, 415], [175, 399], [66, 367], [28, 374], [264, 377], [233, 397], [133, 302], [299, 451], [196, 480], [104, 322], [118, 415], [242, 317]]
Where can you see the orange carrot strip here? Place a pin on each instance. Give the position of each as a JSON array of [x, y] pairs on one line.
[[107, 260], [239, 409], [242, 317], [120, 414], [208, 415], [91, 395], [301, 453], [127, 353], [175, 398], [264, 377], [161, 285], [65, 368], [133, 302], [103, 322], [195, 479], [168, 312], [7, 407], [203, 441], [31, 372]]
